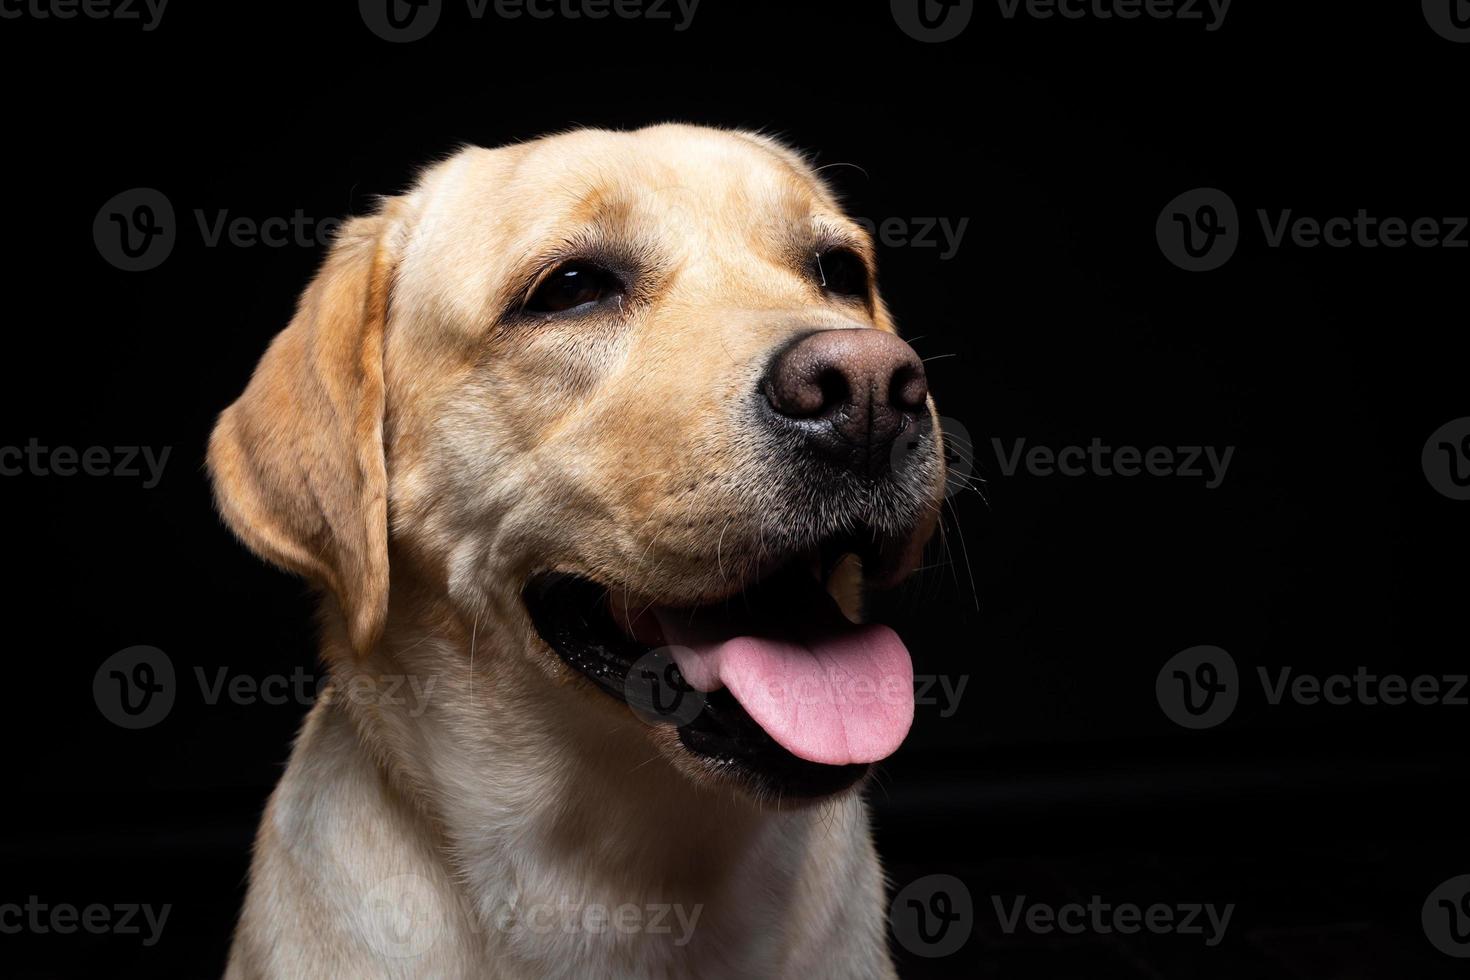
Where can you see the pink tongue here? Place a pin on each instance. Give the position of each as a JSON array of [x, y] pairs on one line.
[[827, 691]]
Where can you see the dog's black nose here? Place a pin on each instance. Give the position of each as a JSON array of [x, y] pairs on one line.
[[850, 392]]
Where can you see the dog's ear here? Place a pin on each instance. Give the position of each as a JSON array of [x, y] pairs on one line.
[[297, 461]]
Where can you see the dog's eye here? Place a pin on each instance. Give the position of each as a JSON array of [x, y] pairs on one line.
[[574, 286], [842, 272]]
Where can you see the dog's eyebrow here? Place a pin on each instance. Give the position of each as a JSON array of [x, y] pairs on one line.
[[828, 233]]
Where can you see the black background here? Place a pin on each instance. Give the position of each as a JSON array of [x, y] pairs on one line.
[[1058, 320]]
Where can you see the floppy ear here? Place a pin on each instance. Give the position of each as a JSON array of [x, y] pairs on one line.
[[297, 461]]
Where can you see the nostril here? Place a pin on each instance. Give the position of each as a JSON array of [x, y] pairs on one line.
[[808, 383], [798, 395], [835, 389], [908, 390]]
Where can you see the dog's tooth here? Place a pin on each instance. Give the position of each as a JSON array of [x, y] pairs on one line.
[[844, 585]]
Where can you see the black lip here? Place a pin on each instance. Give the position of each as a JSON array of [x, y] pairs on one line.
[[570, 614]]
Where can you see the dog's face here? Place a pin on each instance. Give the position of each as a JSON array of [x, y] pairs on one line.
[[634, 398]]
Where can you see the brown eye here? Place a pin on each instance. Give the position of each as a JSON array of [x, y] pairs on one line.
[[574, 286], [842, 272]]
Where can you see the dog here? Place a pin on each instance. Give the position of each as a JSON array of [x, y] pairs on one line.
[[592, 446]]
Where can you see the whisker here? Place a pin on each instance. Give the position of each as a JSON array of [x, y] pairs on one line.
[[965, 550], [843, 163]]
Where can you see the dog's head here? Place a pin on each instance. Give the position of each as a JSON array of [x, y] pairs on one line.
[[634, 399]]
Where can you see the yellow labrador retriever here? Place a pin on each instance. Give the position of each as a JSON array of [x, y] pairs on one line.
[[592, 444]]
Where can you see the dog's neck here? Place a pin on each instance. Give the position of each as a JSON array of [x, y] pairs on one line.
[[542, 798]]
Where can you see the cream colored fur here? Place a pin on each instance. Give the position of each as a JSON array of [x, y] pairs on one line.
[[417, 453]]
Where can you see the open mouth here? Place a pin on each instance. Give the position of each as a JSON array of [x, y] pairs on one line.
[[772, 685]]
